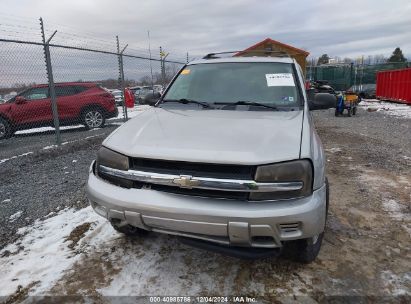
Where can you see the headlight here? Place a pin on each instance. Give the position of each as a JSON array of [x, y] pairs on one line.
[[111, 159], [295, 171]]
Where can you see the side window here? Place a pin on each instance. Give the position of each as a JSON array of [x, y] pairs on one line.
[[36, 93], [80, 89], [65, 91]]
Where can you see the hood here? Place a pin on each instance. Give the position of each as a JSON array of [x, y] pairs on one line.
[[211, 136]]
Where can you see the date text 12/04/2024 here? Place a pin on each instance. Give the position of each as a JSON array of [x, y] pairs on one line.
[[203, 299]]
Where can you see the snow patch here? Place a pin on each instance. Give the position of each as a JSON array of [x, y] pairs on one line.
[[375, 180], [396, 285], [50, 147], [393, 109], [7, 200], [131, 112], [14, 157], [47, 129], [45, 256], [333, 150], [15, 216], [394, 209]]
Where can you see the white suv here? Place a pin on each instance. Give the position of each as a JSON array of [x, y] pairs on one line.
[[228, 156]]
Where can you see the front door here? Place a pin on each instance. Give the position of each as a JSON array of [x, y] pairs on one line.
[[36, 109]]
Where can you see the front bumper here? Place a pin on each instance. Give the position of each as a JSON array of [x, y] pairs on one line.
[[264, 224]]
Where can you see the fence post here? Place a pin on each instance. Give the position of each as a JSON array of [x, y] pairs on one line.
[[52, 91], [163, 57], [121, 77]]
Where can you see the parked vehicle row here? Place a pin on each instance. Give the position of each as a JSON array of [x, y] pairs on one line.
[[77, 103], [141, 94]]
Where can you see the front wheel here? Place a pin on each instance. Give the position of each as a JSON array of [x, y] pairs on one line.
[[5, 129], [306, 250], [93, 118]]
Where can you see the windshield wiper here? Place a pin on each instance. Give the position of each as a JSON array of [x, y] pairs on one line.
[[247, 103], [186, 101]]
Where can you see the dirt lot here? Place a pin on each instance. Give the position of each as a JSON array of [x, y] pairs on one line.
[[365, 255]]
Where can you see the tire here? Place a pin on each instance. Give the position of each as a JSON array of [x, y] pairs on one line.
[[5, 129], [327, 196], [306, 250], [127, 229], [93, 118]]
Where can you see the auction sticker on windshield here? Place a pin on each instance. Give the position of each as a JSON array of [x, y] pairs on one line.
[[280, 80]]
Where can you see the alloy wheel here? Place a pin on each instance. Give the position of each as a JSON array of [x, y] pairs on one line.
[[94, 119], [2, 130]]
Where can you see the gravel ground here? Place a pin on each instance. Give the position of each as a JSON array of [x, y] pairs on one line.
[[366, 249], [45, 180], [31, 142]]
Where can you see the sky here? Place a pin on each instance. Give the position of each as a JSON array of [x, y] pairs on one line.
[[339, 28], [349, 28]]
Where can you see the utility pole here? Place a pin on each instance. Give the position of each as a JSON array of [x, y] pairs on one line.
[[52, 91]]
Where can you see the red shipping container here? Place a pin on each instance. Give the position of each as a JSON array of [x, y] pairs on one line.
[[394, 85]]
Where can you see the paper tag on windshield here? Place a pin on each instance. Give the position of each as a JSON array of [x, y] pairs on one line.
[[280, 80]]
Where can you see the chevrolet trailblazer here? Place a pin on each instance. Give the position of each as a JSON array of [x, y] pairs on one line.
[[228, 156]]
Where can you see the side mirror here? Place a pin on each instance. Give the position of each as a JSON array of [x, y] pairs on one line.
[[321, 101], [20, 100], [152, 98]]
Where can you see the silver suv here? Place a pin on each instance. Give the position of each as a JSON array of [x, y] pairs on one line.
[[228, 156]]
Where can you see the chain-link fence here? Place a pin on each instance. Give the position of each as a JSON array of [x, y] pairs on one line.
[[62, 88], [343, 76]]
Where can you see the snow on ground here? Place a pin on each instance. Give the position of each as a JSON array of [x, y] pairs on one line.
[[15, 216], [45, 254], [15, 156], [398, 284], [47, 129], [69, 142], [393, 109], [398, 210], [49, 261], [333, 150], [394, 209], [155, 264], [132, 112]]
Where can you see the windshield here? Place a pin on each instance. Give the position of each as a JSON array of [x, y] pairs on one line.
[[265, 82]]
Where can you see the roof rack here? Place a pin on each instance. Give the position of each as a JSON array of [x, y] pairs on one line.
[[276, 53]]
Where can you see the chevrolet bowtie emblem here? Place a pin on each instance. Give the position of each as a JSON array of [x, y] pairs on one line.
[[186, 181]]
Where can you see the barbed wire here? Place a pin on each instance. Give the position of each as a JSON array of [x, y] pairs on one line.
[[68, 35]]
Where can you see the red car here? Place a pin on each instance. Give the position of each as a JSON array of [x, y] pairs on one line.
[[77, 103]]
